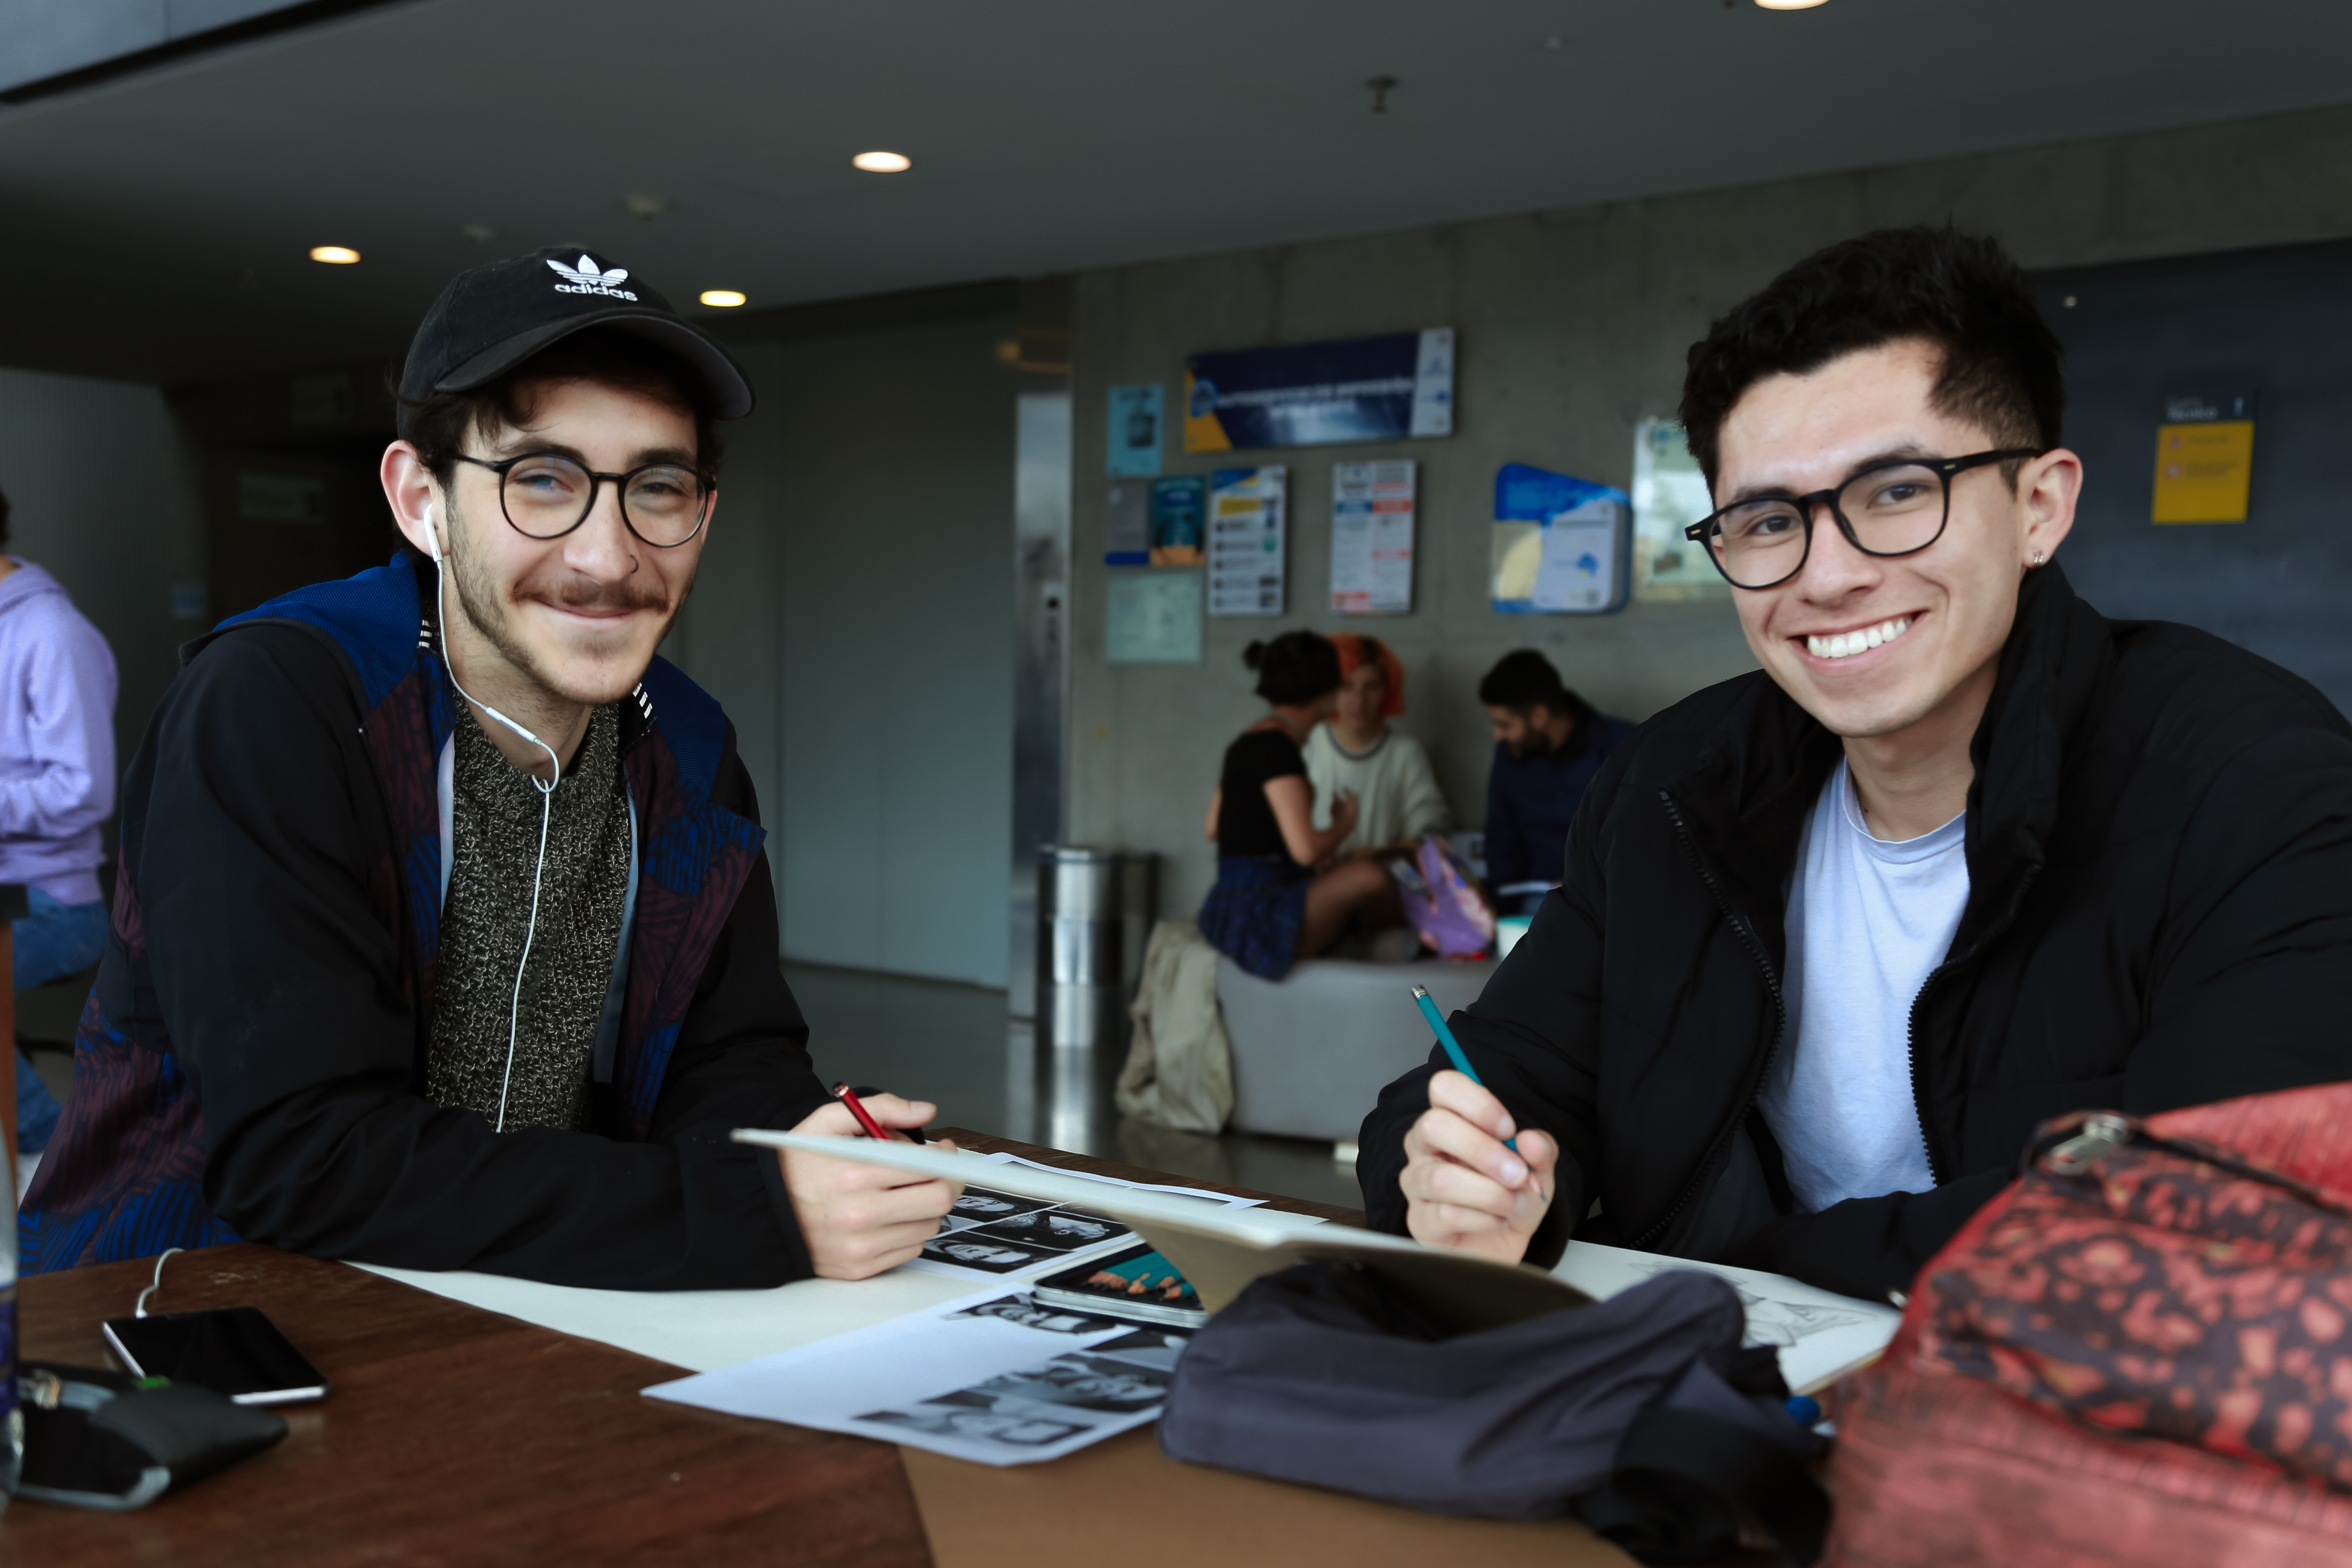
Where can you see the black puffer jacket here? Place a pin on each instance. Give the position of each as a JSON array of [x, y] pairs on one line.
[[2159, 848]]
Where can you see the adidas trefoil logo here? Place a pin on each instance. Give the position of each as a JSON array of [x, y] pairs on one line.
[[587, 278]]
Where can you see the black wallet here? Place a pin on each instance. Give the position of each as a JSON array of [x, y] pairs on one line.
[[96, 1439]]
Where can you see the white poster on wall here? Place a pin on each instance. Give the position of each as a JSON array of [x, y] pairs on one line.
[[1669, 495], [1579, 567], [1371, 538], [1246, 528], [1152, 617]]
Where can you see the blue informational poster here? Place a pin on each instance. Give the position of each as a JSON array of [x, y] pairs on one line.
[[1313, 394], [1558, 545], [1179, 528], [1134, 430]]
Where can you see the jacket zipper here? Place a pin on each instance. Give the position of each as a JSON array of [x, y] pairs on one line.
[[1749, 939], [1918, 1006]]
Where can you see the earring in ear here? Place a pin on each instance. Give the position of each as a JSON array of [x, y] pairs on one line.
[[2038, 558]]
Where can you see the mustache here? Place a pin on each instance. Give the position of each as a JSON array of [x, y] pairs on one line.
[[576, 595]]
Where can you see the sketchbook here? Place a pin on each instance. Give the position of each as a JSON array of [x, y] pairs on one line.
[[1219, 1251], [1820, 1335]]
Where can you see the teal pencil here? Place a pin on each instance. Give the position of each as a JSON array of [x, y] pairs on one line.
[[1453, 1046]]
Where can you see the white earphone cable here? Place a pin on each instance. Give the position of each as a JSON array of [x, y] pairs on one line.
[[546, 808]]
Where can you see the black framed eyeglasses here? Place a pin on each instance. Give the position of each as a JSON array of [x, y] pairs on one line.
[[546, 495], [1895, 507]]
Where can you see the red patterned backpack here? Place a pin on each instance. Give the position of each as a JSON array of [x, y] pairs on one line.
[[2140, 1352]]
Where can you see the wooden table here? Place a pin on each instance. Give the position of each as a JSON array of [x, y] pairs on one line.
[[455, 1435]]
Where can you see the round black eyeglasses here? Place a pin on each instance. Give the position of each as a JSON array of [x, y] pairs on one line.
[[546, 495], [1895, 507]]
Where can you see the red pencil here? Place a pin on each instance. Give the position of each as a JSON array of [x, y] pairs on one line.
[[865, 1119]]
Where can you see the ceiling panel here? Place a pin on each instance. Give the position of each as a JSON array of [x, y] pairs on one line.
[[158, 224]]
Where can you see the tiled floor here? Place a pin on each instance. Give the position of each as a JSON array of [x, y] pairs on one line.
[[952, 1045]]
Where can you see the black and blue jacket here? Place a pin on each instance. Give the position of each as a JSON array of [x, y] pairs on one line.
[[251, 1063]]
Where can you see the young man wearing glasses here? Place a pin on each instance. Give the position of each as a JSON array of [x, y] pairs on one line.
[[442, 935], [1964, 854]]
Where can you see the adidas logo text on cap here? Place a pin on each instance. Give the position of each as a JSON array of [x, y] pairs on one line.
[[586, 278]]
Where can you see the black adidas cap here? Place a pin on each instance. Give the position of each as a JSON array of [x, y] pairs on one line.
[[493, 317]]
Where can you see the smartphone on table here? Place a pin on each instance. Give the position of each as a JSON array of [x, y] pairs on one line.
[[235, 1350]]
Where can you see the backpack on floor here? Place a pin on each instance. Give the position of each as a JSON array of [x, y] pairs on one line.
[[2140, 1352]]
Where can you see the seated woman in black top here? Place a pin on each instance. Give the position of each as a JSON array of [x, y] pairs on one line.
[[1269, 909]]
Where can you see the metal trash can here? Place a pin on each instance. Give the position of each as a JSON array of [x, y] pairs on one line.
[[1095, 909]]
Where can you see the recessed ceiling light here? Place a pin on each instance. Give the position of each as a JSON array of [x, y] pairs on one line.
[[884, 163], [1790, 5], [722, 297], [334, 255]]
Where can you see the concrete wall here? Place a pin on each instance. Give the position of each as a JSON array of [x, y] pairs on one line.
[[854, 613], [1573, 324], [103, 494]]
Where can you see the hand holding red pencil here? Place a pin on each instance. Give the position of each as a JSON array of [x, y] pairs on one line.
[[858, 1220], [873, 1130]]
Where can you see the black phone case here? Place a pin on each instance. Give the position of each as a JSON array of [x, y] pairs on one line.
[[234, 1351]]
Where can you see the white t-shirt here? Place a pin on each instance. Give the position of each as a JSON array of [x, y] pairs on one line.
[[1868, 922], [1397, 798]]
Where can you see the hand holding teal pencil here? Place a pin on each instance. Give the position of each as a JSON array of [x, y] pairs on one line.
[[1465, 1188]]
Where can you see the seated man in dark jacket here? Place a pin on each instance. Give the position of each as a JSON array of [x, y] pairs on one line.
[[1962, 856], [442, 934], [1548, 746]]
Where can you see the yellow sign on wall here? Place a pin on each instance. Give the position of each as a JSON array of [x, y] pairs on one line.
[[2204, 461]]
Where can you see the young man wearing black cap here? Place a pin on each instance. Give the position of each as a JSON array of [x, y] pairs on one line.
[[442, 934]]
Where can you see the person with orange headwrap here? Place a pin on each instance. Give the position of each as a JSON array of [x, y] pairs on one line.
[[1356, 750]]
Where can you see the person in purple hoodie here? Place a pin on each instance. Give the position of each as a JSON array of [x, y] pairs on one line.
[[57, 789]]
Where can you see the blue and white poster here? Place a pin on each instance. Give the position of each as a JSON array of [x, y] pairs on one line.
[[1316, 395], [1134, 430], [1180, 510], [1245, 540], [1558, 543]]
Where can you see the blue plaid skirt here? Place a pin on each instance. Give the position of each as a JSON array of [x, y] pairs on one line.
[[1254, 913]]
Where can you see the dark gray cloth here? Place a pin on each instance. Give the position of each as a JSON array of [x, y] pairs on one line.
[[494, 810], [1322, 1375]]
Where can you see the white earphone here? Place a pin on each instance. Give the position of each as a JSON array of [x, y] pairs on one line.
[[546, 804]]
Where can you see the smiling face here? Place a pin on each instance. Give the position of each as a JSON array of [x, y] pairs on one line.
[[1876, 645], [580, 615]]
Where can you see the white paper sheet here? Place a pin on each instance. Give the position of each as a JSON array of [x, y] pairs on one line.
[[1223, 1200], [1821, 1334], [1245, 540], [990, 1377], [698, 1330]]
